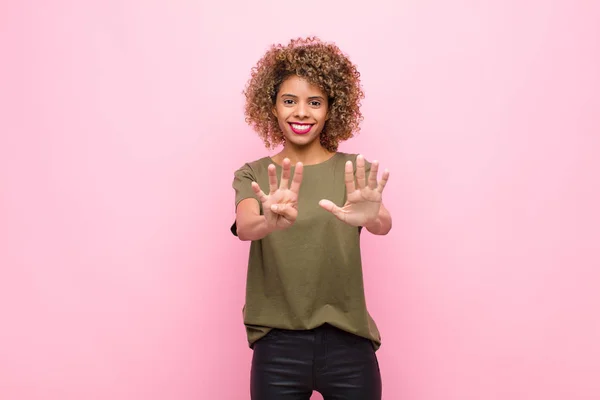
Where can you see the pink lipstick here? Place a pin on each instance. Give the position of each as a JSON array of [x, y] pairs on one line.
[[300, 129]]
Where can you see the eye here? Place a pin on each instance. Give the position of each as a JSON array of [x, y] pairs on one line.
[[288, 101], [315, 103]]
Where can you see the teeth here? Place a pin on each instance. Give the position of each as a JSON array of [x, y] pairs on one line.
[[301, 127]]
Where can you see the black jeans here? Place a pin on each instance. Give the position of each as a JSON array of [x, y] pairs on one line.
[[289, 365]]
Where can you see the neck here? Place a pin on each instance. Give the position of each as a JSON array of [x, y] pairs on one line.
[[306, 156]]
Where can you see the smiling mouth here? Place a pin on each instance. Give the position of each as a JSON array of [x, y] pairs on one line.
[[300, 129]]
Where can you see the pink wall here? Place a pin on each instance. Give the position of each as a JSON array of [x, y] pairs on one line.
[[121, 124]]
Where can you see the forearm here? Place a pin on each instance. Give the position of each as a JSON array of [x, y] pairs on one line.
[[382, 224], [252, 227]]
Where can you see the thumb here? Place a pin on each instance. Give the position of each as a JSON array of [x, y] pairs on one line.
[[332, 208], [285, 211]]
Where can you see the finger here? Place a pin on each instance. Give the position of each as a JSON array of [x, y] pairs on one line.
[[349, 177], [285, 174], [285, 210], [360, 171], [373, 175], [261, 195], [332, 208], [272, 171], [383, 181], [297, 180]]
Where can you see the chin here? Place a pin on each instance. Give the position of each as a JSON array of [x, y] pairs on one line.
[[302, 142]]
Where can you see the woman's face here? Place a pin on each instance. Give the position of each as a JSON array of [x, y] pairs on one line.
[[301, 109]]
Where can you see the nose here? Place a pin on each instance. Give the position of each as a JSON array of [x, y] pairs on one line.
[[301, 110]]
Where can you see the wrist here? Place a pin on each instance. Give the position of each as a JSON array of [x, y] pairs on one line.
[[380, 225], [266, 227], [373, 225]]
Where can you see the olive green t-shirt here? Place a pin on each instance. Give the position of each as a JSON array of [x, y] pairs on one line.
[[311, 273]]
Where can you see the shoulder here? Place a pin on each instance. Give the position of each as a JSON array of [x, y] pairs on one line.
[[349, 156], [253, 167], [345, 157]]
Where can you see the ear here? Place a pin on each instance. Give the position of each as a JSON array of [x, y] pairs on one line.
[[274, 111]]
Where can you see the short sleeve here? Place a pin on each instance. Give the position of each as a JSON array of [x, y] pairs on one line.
[[242, 184]]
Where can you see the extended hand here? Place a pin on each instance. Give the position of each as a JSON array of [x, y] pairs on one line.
[[363, 200], [280, 207]]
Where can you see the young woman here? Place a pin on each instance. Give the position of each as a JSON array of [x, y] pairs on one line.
[[303, 209]]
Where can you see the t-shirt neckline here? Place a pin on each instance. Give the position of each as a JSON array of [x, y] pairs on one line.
[[271, 161]]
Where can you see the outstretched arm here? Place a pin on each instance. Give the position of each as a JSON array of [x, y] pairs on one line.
[[280, 206], [382, 224], [364, 205]]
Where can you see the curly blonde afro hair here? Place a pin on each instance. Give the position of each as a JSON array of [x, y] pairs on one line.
[[321, 64]]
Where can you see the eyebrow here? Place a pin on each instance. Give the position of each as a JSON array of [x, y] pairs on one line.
[[293, 95]]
